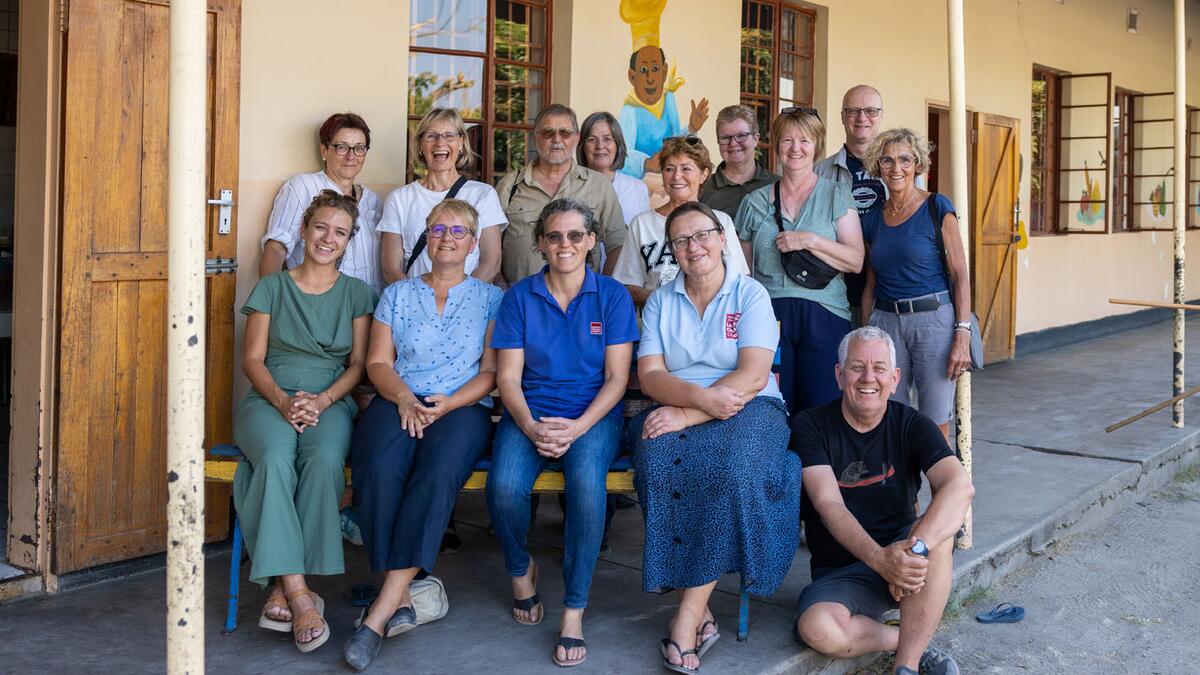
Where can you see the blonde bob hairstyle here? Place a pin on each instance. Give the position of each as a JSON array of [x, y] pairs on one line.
[[442, 115], [921, 147], [690, 147], [454, 207], [805, 121]]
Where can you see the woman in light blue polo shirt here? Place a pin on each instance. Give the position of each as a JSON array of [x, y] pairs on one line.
[[803, 211], [564, 342], [719, 489], [416, 443]]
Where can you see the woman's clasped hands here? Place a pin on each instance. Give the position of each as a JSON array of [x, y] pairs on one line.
[[303, 410]]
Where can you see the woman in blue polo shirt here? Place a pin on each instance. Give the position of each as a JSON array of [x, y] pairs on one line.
[[719, 489], [564, 342]]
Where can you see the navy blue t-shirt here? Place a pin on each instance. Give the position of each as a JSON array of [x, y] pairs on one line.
[[905, 257], [869, 197], [564, 351]]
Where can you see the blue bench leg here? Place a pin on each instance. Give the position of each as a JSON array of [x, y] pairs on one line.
[[743, 614], [235, 566]]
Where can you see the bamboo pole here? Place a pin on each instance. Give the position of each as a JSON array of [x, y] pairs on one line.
[[1179, 211], [185, 337], [958, 161], [1151, 410], [1150, 303]]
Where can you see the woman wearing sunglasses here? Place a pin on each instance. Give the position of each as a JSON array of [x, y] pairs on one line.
[[917, 286], [718, 486], [441, 148], [807, 216], [564, 338], [646, 262], [345, 139], [416, 443]]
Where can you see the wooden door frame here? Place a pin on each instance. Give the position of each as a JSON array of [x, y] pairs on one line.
[[976, 229], [35, 297]]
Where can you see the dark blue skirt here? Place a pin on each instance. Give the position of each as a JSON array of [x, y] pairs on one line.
[[723, 496]]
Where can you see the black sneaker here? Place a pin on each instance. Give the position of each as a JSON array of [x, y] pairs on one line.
[[450, 542], [937, 662]]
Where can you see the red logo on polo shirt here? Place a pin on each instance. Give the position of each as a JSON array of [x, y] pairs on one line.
[[597, 328], [731, 324]]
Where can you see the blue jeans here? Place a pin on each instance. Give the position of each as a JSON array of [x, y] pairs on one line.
[[516, 465]]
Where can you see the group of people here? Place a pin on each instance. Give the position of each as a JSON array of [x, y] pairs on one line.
[[741, 272]]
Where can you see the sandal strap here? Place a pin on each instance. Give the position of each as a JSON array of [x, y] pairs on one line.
[[681, 650], [527, 604], [569, 643], [308, 619]]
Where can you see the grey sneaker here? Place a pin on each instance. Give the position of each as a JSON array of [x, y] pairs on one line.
[[937, 662], [403, 620]]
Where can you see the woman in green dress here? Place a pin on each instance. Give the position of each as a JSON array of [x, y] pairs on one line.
[[305, 349]]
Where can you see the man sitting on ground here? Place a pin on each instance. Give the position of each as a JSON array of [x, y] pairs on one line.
[[863, 456]]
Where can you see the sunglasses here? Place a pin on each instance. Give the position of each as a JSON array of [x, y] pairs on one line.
[[800, 111], [456, 231], [557, 238]]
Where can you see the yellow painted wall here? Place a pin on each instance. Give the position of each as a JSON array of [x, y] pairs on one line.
[[901, 49]]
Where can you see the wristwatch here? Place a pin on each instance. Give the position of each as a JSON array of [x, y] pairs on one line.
[[920, 549]]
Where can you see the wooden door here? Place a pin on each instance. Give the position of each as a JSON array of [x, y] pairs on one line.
[[110, 489], [994, 194]]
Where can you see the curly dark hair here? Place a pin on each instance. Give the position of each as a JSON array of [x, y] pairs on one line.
[[335, 200]]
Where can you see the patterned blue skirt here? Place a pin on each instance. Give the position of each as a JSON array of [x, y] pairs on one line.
[[723, 496]]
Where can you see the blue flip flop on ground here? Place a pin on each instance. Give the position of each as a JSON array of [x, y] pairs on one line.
[[1005, 612]]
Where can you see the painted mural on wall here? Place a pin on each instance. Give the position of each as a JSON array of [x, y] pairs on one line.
[[650, 112], [1156, 210], [1091, 202]]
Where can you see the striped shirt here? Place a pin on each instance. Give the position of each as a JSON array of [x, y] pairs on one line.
[[361, 259]]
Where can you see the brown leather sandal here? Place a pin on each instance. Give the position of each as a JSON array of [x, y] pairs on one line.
[[265, 620], [307, 620]]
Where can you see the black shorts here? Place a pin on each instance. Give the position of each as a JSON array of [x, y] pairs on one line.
[[856, 587]]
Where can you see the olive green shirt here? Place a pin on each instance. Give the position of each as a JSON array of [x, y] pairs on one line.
[[523, 199], [723, 195]]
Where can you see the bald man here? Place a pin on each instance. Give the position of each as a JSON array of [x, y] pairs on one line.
[[862, 118]]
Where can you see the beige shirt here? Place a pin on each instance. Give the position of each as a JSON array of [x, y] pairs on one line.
[[523, 199]]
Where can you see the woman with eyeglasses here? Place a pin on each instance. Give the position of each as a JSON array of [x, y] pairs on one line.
[[305, 346], [646, 262], [803, 212], [441, 148], [564, 339], [719, 489], [416, 443], [603, 151], [739, 172], [917, 291], [345, 139]]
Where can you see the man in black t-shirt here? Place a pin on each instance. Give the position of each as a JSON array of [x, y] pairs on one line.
[[863, 457]]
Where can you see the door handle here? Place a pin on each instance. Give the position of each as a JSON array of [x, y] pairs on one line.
[[225, 214]]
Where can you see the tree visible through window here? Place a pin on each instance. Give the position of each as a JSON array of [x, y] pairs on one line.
[[776, 61], [1044, 165], [491, 62]]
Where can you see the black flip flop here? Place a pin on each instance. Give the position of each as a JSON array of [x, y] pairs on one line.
[[703, 644], [568, 643], [667, 643], [527, 606]]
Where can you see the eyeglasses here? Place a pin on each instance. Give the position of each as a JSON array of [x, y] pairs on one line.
[[343, 149], [550, 134], [557, 238], [739, 138], [906, 161], [691, 139], [457, 231], [701, 238], [434, 137], [800, 111], [855, 112]]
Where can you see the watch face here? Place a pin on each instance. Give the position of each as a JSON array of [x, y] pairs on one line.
[[920, 548]]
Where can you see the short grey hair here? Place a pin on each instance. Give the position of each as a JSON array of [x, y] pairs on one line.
[[866, 333], [560, 206]]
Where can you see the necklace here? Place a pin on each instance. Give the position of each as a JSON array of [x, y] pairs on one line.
[[892, 210]]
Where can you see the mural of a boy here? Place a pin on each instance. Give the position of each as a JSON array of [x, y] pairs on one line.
[[650, 114]]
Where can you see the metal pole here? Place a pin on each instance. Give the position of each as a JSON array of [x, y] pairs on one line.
[[961, 198], [185, 338], [1179, 210]]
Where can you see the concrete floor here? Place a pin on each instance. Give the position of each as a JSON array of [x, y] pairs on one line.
[[1044, 469]]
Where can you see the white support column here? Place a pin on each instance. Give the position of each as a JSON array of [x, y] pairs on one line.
[[1179, 210], [961, 198], [185, 336]]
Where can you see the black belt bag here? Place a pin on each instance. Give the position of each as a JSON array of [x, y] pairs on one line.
[[802, 266]]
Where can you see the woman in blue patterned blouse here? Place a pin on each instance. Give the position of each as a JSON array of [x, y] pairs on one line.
[[416, 443]]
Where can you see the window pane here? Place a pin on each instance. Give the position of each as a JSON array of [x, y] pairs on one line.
[[448, 24], [520, 32], [511, 149], [518, 94], [442, 80]]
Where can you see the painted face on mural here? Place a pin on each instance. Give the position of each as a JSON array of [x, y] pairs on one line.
[[648, 74]]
